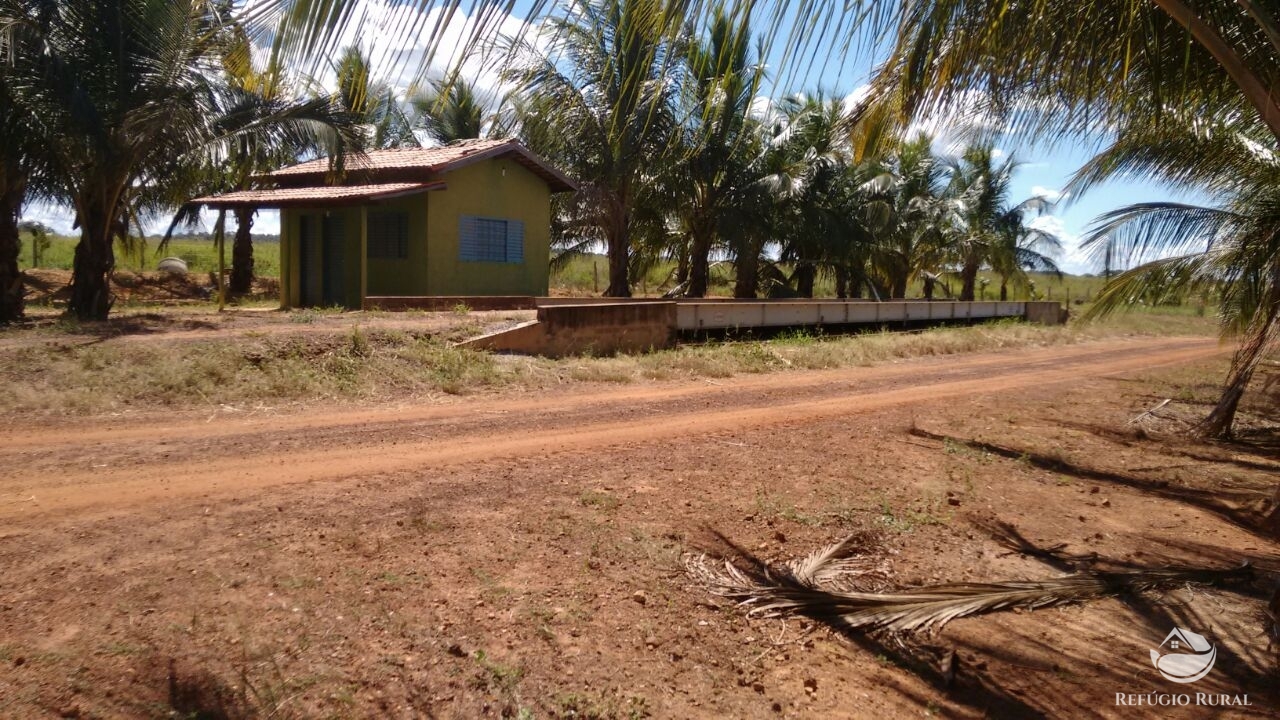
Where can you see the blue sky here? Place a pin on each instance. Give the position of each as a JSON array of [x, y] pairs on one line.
[[1043, 171]]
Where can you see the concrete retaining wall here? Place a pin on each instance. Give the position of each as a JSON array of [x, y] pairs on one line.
[[604, 328], [588, 330], [1045, 312], [696, 315]]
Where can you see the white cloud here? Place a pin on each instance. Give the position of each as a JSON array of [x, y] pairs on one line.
[[58, 217], [1049, 194], [855, 98], [1072, 259]]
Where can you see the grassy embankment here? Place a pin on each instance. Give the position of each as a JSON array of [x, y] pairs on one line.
[[60, 367], [63, 369]]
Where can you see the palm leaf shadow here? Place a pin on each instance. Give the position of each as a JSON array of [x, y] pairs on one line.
[[1235, 506]]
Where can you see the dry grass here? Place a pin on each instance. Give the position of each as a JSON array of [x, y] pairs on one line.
[[50, 378]]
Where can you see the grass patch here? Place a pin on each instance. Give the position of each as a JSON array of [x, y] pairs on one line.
[[774, 507], [922, 513], [599, 500]]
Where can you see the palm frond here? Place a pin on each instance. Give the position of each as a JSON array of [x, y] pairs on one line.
[[1148, 230], [835, 587]]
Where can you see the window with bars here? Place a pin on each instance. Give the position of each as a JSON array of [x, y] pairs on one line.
[[482, 239], [388, 237]]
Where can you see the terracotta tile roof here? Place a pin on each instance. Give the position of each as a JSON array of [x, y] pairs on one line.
[[395, 164], [398, 159], [327, 194]]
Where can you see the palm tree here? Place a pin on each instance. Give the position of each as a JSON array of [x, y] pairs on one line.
[[1231, 249], [602, 83], [451, 111], [992, 232], [20, 150], [372, 102], [814, 143], [722, 83], [130, 97], [255, 105], [272, 127], [15, 162], [822, 194], [1019, 250], [910, 219], [122, 95], [1134, 65]]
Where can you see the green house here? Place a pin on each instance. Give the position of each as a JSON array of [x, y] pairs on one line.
[[469, 219]]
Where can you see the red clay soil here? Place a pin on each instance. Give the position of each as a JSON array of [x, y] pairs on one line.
[[520, 555]]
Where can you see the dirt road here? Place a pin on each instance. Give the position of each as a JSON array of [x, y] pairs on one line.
[[520, 554], [104, 466]]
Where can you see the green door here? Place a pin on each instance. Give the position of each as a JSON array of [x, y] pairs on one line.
[[334, 240], [310, 267], [322, 263]]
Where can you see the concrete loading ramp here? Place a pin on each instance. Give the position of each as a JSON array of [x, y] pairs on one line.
[[604, 327]]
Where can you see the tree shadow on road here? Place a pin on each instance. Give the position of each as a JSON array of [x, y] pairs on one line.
[[1253, 509]]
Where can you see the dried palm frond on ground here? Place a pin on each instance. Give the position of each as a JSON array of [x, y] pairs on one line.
[[830, 585]]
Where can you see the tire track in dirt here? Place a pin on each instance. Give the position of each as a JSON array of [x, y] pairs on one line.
[[841, 392]]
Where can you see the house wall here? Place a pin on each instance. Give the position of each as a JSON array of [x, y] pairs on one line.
[[406, 276], [501, 189]]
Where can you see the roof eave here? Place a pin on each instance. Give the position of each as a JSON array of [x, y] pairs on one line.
[[218, 202]]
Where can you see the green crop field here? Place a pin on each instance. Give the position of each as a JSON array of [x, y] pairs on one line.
[[201, 255]]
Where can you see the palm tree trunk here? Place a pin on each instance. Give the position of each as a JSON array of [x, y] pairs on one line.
[[1219, 422], [805, 274], [747, 269], [11, 290], [619, 259], [969, 280], [842, 281], [1004, 291], [898, 287], [242, 253], [699, 263], [857, 279], [94, 260], [928, 287]]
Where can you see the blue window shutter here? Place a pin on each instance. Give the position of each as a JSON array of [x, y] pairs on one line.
[[482, 239], [515, 241], [468, 242]]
